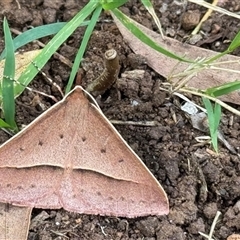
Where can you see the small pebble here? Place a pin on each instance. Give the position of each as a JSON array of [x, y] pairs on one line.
[[190, 20]]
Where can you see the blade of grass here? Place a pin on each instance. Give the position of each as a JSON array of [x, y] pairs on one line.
[[54, 44], [129, 24], [217, 115], [148, 5], [108, 5], [234, 44], [22, 60], [3, 124], [223, 89], [83, 46], [36, 33], [7, 82], [214, 117]]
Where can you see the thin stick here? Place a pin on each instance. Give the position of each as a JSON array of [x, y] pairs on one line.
[[215, 8], [49, 79], [229, 108], [140, 123], [19, 6], [32, 90], [59, 234], [209, 237], [204, 18]]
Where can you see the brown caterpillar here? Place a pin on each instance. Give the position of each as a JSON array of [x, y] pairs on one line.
[[108, 76]]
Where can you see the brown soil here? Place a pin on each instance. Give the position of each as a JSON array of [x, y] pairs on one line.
[[168, 149]]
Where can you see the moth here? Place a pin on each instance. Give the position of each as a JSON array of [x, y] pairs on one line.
[[72, 157]]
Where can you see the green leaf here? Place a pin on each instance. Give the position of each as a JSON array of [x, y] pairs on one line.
[[36, 33], [109, 5], [210, 113], [217, 115], [41, 59], [235, 43], [3, 124], [223, 89], [214, 117], [83, 46], [7, 82]]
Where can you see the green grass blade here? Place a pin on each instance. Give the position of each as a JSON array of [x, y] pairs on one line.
[[210, 113], [3, 124], [7, 82], [217, 114], [129, 24], [83, 46], [223, 89], [22, 61], [217, 119], [214, 117], [235, 43], [211, 121], [53, 45], [37, 33], [214, 58], [148, 5], [109, 5]]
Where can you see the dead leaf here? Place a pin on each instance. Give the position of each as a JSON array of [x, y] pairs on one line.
[[234, 237], [72, 157], [164, 65], [14, 221], [22, 61]]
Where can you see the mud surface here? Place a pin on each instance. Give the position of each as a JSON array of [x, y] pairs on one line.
[[168, 148]]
